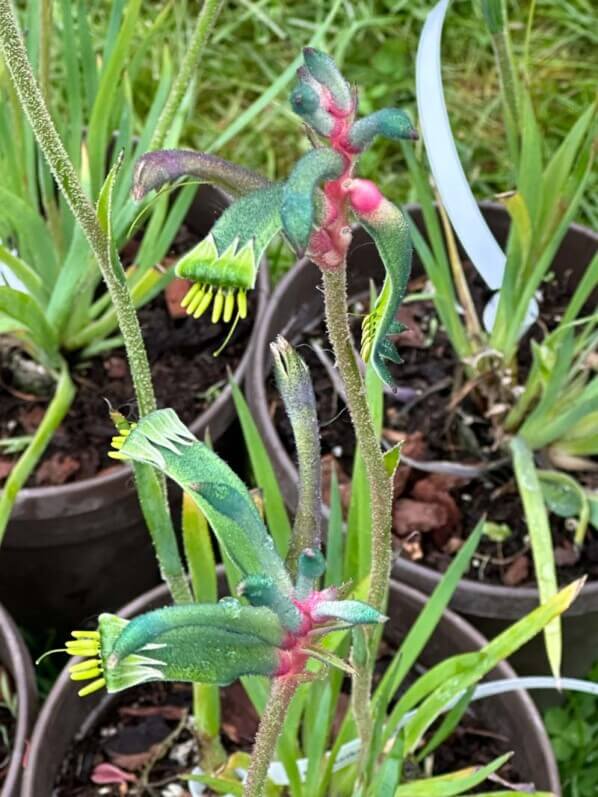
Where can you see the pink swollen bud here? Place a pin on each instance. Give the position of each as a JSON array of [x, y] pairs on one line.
[[365, 196]]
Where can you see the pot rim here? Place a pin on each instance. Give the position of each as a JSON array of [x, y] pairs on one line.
[[116, 482], [485, 600], [18, 663], [160, 594]]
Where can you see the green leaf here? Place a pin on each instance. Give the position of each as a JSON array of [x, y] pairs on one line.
[[36, 245], [106, 97], [25, 273], [161, 440], [443, 682], [423, 628], [276, 514], [448, 725], [218, 785], [392, 458], [25, 310], [538, 526], [454, 784]]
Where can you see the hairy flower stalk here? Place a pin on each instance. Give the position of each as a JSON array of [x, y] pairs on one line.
[[153, 501], [295, 387]]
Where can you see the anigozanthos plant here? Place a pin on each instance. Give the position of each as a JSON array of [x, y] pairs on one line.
[[275, 633], [313, 208]]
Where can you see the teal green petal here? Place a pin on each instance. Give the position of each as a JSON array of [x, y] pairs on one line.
[[298, 200], [390, 232], [390, 123], [161, 440], [353, 612]]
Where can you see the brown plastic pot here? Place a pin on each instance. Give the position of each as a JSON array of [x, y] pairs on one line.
[[295, 304], [14, 657], [68, 550], [64, 715]]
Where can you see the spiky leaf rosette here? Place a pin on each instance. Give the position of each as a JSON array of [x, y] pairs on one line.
[[161, 440], [389, 230], [208, 643], [224, 265]]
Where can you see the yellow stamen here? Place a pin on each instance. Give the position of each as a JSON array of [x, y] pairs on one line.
[[117, 442], [190, 294], [217, 307], [86, 675], [196, 301], [117, 455], [86, 634], [229, 306], [92, 687], [82, 648], [204, 304], [83, 666], [242, 304]]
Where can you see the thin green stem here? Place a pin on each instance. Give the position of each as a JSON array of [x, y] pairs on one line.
[[281, 694], [335, 294], [154, 506], [57, 409], [205, 23]]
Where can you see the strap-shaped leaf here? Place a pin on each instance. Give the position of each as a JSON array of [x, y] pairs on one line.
[[390, 232], [26, 311], [298, 205], [155, 169], [161, 440]]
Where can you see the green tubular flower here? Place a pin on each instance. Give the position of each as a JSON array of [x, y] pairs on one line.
[[298, 201], [390, 232], [161, 440], [224, 265], [207, 643]]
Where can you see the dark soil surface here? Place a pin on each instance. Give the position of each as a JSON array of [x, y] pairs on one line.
[[439, 419], [7, 725], [186, 376], [148, 735]]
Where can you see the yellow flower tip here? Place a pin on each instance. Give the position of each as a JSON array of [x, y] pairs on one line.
[[85, 634], [242, 304], [116, 455], [118, 440], [195, 300], [95, 686], [86, 675], [85, 666], [205, 303], [190, 294], [217, 307], [229, 306]]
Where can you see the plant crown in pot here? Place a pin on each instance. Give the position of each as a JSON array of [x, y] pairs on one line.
[[284, 625], [529, 400]]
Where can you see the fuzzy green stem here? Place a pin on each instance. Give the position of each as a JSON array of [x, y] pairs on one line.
[[205, 23], [57, 409], [155, 507], [281, 694], [335, 294]]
